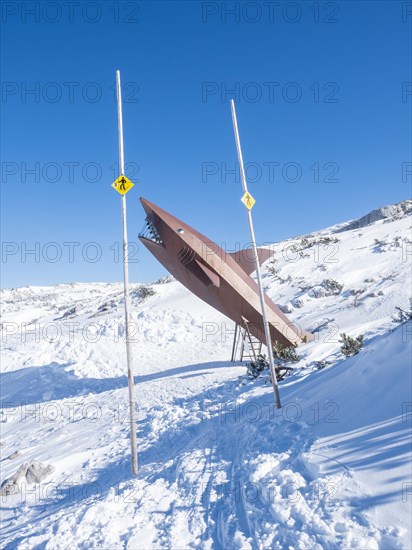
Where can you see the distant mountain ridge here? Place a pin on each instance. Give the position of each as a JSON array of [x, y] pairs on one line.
[[391, 211]]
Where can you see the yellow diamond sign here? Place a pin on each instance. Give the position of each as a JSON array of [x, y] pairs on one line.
[[248, 200], [122, 185]]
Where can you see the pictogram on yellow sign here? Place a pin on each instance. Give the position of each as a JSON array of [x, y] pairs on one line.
[[122, 185], [248, 200]]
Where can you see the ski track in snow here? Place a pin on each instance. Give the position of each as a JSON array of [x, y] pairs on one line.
[[220, 466]]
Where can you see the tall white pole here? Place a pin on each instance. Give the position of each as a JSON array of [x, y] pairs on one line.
[[132, 396], [255, 253]]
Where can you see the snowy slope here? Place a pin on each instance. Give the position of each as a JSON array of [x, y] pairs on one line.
[[220, 466]]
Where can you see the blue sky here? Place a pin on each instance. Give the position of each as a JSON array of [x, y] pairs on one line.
[[323, 106]]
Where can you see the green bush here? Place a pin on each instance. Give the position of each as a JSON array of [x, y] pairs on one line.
[[282, 354], [351, 346], [254, 368], [146, 291], [319, 365]]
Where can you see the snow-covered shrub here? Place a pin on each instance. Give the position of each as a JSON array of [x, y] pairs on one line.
[[298, 248], [69, 312], [331, 286], [351, 346], [356, 293], [146, 291], [106, 306], [319, 365], [328, 287], [273, 270], [306, 243], [403, 315], [328, 240], [380, 246], [282, 354], [143, 292], [254, 368]]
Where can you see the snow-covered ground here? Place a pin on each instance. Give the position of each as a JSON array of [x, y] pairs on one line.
[[219, 466]]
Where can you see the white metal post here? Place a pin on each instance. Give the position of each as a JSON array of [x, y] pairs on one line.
[[255, 253], [129, 355]]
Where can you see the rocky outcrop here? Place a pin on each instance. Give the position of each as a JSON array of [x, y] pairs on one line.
[[391, 211]]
